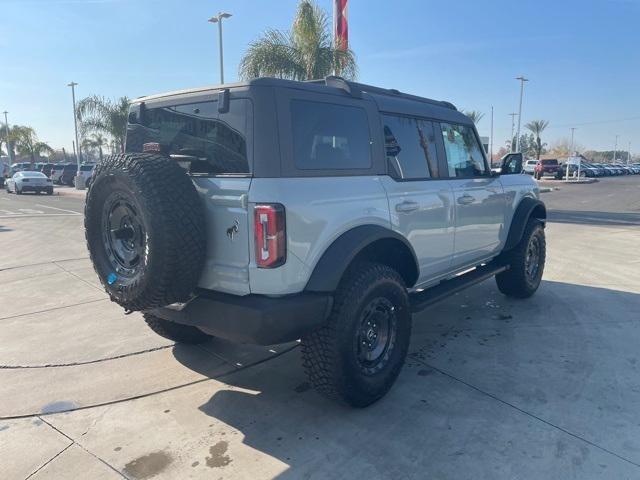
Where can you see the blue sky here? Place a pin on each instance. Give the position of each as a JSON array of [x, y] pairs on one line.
[[581, 56]]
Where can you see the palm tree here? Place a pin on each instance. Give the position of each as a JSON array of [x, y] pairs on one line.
[[95, 141], [474, 115], [536, 127], [28, 144], [305, 53], [98, 114]]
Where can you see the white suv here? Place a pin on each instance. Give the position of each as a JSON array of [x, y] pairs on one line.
[[274, 210]]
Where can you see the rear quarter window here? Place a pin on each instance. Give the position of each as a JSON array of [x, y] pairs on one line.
[[328, 136], [196, 135]]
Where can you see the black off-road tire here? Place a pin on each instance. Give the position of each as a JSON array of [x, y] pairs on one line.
[[175, 331], [331, 353], [168, 213], [516, 282]]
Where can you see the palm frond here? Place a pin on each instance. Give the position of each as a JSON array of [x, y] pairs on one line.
[[271, 56]]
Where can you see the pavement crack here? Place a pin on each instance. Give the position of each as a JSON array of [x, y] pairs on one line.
[[88, 362], [52, 308], [42, 263], [77, 276], [525, 412], [73, 442], [50, 460]]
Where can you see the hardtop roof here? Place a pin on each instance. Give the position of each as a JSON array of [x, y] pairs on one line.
[[388, 100]]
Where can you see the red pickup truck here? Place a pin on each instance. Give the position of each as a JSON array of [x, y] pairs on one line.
[[546, 167]]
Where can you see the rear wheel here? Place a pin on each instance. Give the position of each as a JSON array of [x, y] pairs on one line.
[[175, 331], [357, 356], [526, 263]]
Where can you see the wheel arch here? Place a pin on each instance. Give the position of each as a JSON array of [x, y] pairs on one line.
[[365, 242], [528, 208]]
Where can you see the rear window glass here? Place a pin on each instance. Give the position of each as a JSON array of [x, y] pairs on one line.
[[549, 162], [196, 135], [330, 137]]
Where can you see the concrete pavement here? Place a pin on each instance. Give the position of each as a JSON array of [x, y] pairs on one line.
[[493, 388]]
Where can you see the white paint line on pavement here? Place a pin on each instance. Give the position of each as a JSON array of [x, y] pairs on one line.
[[44, 215], [56, 208]]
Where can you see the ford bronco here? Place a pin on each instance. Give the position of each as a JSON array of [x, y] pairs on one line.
[[327, 211]]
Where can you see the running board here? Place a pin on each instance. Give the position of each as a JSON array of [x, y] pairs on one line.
[[446, 288]]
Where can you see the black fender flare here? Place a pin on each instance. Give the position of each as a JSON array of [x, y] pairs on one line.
[[527, 208], [338, 256]]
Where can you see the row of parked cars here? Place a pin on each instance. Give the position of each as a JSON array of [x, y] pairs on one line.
[[59, 173], [551, 167]]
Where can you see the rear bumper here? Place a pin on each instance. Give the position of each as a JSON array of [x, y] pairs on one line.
[[255, 319], [36, 188]]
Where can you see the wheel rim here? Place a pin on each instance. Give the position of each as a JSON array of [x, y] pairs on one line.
[[532, 259], [376, 335], [124, 237]]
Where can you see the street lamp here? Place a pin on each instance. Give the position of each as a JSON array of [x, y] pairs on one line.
[[615, 149], [75, 125], [522, 80], [218, 19]]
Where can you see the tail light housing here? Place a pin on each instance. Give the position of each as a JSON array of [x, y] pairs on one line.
[[269, 235]]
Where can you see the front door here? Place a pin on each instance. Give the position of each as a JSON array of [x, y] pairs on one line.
[[421, 205], [479, 198]]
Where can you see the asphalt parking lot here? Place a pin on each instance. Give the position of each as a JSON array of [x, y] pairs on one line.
[[494, 388]]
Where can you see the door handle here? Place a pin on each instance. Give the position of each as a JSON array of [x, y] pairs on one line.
[[407, 206], [466, 199]]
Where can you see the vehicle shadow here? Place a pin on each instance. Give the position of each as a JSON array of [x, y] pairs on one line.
[[593, 218], [279, 415], [5, 229]]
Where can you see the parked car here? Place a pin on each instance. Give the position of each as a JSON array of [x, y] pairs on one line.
[[20, 167], [22, 182], [85, 172], [46, 168], [338, 228], [546, 167], [56, 172], [529, 166]]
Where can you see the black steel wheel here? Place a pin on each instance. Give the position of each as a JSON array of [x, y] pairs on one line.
[[144, 225], [356, 357], [526, 263]]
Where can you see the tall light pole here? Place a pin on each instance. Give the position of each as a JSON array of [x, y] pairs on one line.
[[75, 126], [513, 121], [615, 149], [522, 80], [218, 19], [491, 141], [629, 153], [6, 129]]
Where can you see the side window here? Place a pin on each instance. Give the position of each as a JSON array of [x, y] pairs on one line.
[[410, 147], [330, 137], [464, 154]]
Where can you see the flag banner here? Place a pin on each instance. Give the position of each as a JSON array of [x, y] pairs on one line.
[[341, 26]]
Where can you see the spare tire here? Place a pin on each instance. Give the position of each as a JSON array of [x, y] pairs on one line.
[[145, 230]]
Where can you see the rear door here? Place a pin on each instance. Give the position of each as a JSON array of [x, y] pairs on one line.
[[420, 204], [215, 147], [480, 204]]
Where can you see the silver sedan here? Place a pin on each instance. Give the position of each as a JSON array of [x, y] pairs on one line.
[[29, 182]]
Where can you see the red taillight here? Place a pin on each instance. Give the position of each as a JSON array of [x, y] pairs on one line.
[[270, 237]]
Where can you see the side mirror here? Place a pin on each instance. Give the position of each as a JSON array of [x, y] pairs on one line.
[[511, 164]]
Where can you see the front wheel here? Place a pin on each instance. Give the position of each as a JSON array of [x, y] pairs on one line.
[[357, 355], [18, 191], [526, 263]]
